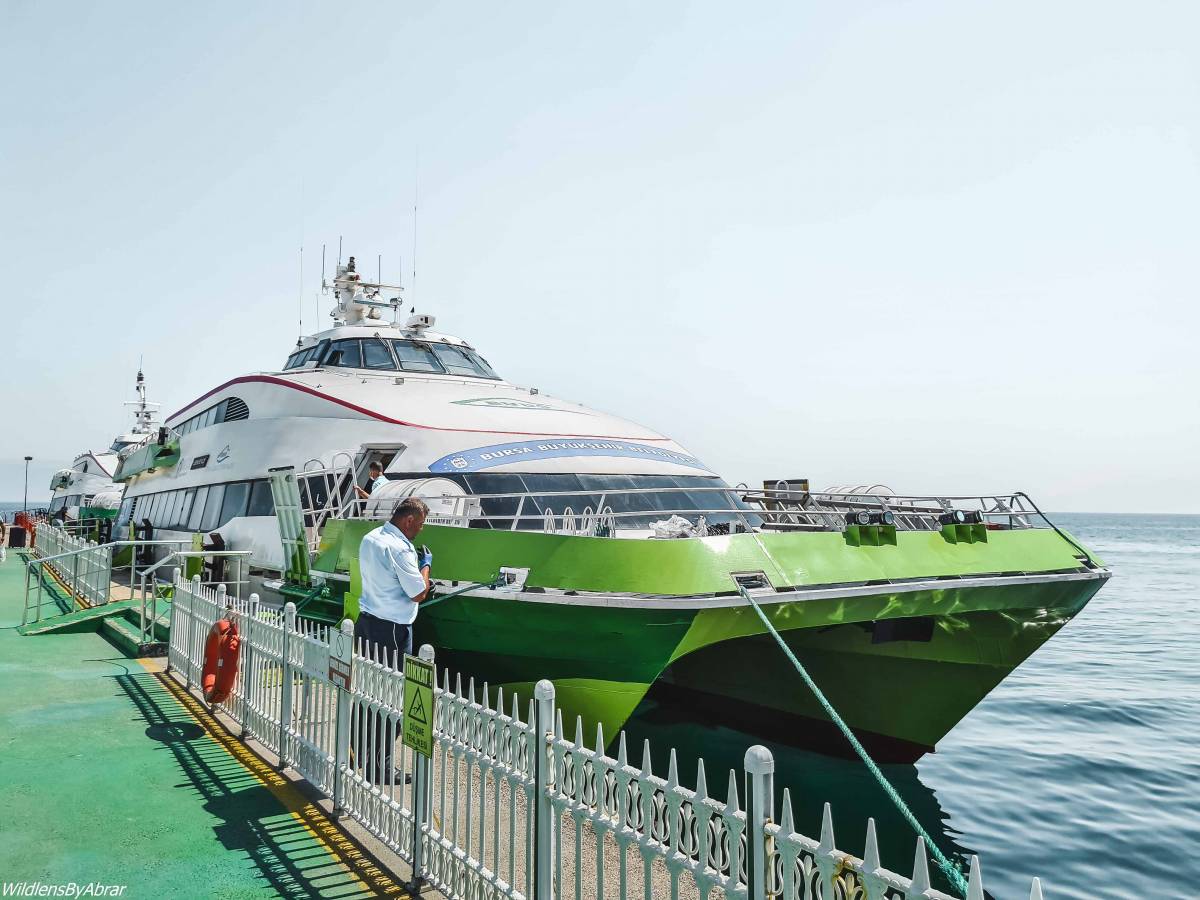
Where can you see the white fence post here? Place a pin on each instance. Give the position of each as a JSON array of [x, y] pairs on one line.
[[760, 802], [249, 614], [285, 700], [543, 771], [422, 807], [172, 632], [342, 646]]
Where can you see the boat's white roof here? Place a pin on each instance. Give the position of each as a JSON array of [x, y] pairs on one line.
[[455, 422]]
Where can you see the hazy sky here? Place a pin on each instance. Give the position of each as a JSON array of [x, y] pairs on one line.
[[951, 247]]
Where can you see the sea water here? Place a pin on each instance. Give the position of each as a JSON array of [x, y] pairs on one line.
[[1082, 767]]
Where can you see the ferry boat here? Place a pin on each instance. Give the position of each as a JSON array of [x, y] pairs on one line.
[[87, 487], [628, 556]]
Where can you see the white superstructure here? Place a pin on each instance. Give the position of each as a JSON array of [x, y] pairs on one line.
[[422, 402], [89, 480]]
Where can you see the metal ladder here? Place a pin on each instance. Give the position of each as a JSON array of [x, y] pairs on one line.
[[289, 514]]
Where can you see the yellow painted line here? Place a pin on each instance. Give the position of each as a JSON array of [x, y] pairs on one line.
[[70, 593], [311, 817]]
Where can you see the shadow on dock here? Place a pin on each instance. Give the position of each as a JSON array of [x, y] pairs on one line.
[[281, 842]]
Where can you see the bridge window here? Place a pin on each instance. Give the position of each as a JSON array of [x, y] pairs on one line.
[[345, 354]]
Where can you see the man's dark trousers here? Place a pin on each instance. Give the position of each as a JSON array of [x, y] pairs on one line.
[[390, 640]]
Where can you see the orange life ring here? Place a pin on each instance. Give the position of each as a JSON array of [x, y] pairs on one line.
[[220, 661]]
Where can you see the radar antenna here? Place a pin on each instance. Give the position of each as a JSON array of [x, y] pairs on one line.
[[143, 412], [358, 301]]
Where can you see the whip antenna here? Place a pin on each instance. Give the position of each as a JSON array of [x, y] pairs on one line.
[[301, 290]]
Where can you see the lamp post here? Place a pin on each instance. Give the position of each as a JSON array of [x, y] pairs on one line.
[[25, 504]]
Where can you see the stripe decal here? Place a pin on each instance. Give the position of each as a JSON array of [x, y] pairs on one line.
[[305, 389]]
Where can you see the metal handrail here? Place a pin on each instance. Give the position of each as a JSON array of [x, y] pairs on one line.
[[146, 626], [774, 507], [74, 588], [45, 559]]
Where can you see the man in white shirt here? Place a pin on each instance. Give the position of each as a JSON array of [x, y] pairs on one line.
[[395, 578], [376, 480]]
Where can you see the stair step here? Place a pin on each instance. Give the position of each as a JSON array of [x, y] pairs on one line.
[[126, 636]]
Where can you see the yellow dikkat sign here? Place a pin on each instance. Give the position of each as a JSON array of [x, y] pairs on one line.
[[418, 705]]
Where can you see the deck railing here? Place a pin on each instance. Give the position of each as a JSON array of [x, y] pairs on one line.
[[329, 493], [83, 565], [511, 805]]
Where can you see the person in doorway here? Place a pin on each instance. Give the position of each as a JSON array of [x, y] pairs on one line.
[[3, 542], [375, 482], [395, 579]]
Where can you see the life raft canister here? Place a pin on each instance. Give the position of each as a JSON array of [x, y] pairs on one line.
[[220, 661]]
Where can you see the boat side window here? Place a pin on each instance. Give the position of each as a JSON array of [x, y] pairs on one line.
[[483, 364], [193, 522], [261, 503], [300, 357], [375, 354], [155, 514], [212, 508], [345, 354], [558, 502], [236, 495], [147, 511], [185, 511], [502, 483], [175, 509], [417, 356], [459, 361]]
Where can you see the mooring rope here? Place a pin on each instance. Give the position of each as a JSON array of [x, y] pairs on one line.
[[951, 871], [494, 583]]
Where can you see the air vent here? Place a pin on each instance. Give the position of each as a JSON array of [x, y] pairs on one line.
[[236, 409]]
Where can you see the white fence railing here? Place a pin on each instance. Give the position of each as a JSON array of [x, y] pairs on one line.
[[88, 569], [509, 806]]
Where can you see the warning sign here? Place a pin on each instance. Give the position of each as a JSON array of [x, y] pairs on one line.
[[418, 705], [341, 653]]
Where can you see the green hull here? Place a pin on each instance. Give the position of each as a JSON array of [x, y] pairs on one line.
[[903, 661]]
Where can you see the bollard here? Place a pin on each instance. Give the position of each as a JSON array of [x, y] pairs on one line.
[[342, 647], [543, 771], [422, 794], [285, 700], [760, 802]]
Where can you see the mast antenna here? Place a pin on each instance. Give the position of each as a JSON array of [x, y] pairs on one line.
[[416, 195], [339, 251], [301, 291], [379, 269]]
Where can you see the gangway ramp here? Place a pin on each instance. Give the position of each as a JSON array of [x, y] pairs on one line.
[[87, 619]]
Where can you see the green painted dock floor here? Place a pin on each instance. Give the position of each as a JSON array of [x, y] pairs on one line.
[[110, 773]]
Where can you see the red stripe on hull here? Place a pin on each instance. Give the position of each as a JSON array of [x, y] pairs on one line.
[[271, 379]]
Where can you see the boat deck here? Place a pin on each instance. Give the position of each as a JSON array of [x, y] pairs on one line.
[[112, 774]]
